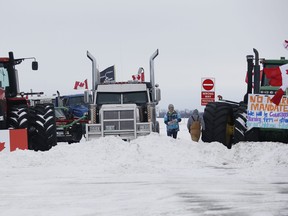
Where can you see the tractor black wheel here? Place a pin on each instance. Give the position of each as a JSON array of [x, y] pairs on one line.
[[208, 116], [42, 127], [240, 123], [76, 132], [219, 123], [224, 125], [18, 116]]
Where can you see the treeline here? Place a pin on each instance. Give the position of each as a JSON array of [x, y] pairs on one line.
[[184, 113]]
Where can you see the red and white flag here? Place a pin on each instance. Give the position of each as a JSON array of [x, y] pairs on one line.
[[285, 44], [139, 76], [13, 139], [81, 85], [278, 77]]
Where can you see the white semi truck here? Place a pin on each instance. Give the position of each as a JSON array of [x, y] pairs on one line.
[[124, 109]]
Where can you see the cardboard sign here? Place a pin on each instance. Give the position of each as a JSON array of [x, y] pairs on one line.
[[262, 113]]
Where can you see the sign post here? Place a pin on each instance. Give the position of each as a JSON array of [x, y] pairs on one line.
[[208, 90]]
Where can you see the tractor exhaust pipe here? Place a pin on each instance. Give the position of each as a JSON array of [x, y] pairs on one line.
[[13, 80], [152, 74], [256, 73], [249, 76]]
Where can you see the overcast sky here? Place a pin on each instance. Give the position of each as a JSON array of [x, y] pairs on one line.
[[195, 39]]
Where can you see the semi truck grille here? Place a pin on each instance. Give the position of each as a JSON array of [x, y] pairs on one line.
[[120, 114], [119, 125], [118, 120]]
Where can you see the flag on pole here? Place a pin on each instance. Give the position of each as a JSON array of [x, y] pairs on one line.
[[140, 75], [285, 44], [108, 74], [81, 85], [278, 77]]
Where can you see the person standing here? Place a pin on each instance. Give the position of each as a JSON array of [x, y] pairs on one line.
[[172, 119], [194, 125]]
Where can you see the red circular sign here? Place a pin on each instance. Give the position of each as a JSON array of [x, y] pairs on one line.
[[208, 84]]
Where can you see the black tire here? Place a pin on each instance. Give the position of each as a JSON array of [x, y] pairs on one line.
[[76, 132], [157, 127], [240, 123], [18, 116], [219, 122], [42, 127], [208, 116]]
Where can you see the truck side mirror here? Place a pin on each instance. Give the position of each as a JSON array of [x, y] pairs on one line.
[[87, 98], [34, 65], [158, 95]]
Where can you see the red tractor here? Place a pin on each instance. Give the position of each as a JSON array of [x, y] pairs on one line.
[[15, 113]]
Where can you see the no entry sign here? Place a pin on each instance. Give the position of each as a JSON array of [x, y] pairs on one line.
[[208, 84], [208, 91]]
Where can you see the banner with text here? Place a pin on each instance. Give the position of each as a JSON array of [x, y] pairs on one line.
[[263, 113]]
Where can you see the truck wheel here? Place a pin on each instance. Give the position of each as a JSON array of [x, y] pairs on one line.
[[240, 124], [218, 119], [42, 127], [157, 127], [18, 116], [76, 132]]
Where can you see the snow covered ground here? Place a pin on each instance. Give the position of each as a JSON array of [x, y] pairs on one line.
[[153, 175]]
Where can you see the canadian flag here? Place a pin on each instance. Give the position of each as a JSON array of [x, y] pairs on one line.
[[140, 75], [13, 139], [246, 78], [285, 44], [81, 85], [278, 77]]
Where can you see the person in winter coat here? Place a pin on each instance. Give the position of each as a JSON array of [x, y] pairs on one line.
[[172, 119], [195, 124]]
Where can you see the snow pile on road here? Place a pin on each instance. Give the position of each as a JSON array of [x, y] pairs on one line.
[[153, 153]]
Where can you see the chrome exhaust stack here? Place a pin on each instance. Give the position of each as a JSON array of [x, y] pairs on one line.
[[154, 102], [95, 82], [152, 74], [95, 72]]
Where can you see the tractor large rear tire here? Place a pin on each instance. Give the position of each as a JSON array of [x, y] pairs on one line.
[[218, 119], [42, 127], [18, 116], [240, 124], [208, 116]]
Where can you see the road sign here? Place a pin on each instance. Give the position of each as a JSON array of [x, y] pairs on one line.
[[208, 91], [206, 97], [208, 84]]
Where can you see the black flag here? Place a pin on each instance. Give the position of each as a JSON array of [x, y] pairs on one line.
[[108, 74]]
